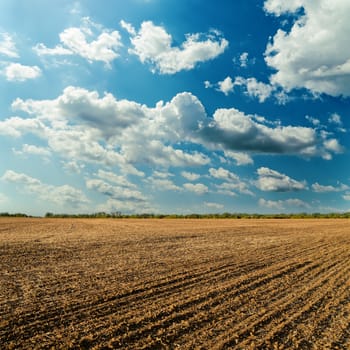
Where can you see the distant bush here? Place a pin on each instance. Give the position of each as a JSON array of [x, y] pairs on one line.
[[18, 215]]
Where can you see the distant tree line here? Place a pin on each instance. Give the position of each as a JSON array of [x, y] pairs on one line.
[[17, 215], [202, 216], [94, 215], [118, 214]]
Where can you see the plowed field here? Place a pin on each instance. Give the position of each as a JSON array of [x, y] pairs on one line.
[[174, 284]]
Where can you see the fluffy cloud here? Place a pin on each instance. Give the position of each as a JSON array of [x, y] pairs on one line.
[[346, 196], [58, 50], [72, 166], [155, 152], [212, 205], [208, 84], [243, 59], [153, 44], [8, 46], [196, 188], [282, 204], [33, 150], [279, 7], [160, 180], [19, 72], [190, 176], [240, 157], [120, 180], [104, 113], [254, 88], [78, 121], [115, 192], [70, 141], [223, 174], [128, 27], [82, 145], [335, 119], [230, 188], [333, 146], [312, 120], [314, 54], [90, 41], [62, 195], [163, 184], [162, 174], [235, 131], [226, 86], [250, 86], [181, 119], [231, 184], [316, 187], [16, 127], [272, 180], [84, 126]]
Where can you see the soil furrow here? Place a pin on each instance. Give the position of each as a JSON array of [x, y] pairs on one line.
[[204, 305], [276, 310], [46, 324], [137, 294], [281, 327], [169, 284]]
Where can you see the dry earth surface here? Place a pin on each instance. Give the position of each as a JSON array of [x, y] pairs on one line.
[[174, 284]]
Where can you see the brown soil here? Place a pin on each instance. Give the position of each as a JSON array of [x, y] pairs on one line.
[[174, 284]]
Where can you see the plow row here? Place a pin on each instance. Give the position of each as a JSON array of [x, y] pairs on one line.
[[175, 284]]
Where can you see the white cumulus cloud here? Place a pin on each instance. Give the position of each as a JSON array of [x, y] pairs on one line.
[[314, 54], [223, 174], [16, 127], [312, 120], [279, 7], [226, 86], [213, 205], [163, 184], [335, 119], [120, 180], [346, 196], [19, 72], [197, 188], [87, 127], [90, 41], [316, 187], [240, 157], [190, 176], [272, 180], [152, 44], [235, 131], [250, 87], [64, 195], [254, 88], [33, 150], [280, 205], [333, 146], [232, 183], [115, 191]]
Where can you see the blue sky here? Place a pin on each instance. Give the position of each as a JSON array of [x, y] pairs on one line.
[[174, 106]]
